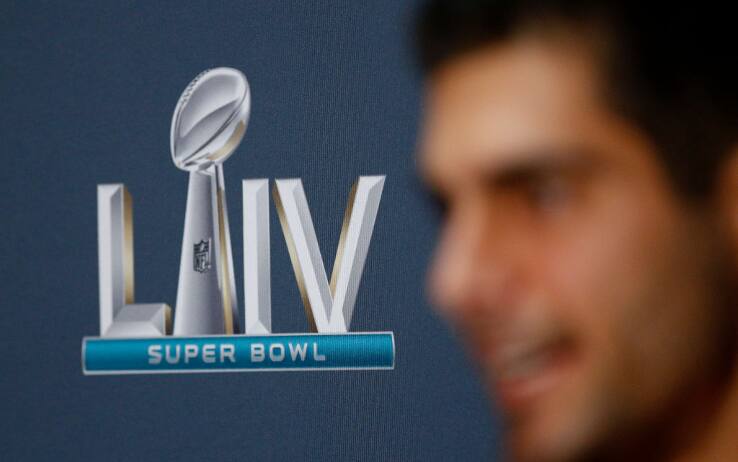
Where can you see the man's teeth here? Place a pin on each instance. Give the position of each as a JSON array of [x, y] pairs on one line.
[[521, 361]]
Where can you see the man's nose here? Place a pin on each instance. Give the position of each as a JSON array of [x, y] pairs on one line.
[[471, 268]]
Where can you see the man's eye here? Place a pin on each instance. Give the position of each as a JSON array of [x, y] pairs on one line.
[[548, 193]]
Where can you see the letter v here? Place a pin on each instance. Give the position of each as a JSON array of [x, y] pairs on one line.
[[328, 307]]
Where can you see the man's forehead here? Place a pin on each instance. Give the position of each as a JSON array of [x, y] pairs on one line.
[[503, 105]]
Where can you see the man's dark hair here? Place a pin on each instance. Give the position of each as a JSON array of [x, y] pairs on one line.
[[669, 68]]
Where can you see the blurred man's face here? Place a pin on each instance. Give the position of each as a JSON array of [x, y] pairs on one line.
[[584, 286]]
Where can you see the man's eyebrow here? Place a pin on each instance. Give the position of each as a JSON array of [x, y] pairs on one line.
[[535, 166], [519, 169]]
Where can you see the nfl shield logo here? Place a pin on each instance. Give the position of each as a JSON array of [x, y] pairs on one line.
[[202, 256]]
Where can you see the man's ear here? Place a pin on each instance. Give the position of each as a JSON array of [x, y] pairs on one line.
[[727, 196]]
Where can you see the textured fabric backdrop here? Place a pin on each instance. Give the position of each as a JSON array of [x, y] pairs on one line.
[[86, 96]]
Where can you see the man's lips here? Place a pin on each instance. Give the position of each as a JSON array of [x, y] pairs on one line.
[[522, 371]]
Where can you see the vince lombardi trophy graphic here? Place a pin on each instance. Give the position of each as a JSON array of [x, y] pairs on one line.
[[208, 124]]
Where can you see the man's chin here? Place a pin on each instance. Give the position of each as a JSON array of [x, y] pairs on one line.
[[543, 436], [549, 418]]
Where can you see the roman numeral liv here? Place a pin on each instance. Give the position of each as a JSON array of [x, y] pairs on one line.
[[329, 304]]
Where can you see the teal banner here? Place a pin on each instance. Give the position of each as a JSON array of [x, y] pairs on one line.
[[235, 353]]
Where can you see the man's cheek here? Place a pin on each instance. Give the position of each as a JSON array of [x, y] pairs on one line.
[[612, 305], [594, 282]]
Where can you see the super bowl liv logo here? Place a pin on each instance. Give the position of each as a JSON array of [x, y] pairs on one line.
[[206, 334]]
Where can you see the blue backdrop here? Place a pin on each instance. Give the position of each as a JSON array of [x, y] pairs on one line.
[[86, 97]]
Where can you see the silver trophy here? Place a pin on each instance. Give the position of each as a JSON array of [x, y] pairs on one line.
[[208, 124]]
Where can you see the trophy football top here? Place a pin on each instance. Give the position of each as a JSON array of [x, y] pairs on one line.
[[210, 119]]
